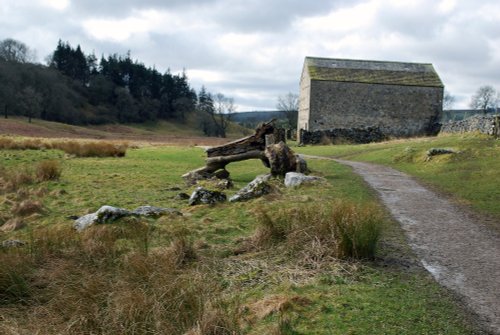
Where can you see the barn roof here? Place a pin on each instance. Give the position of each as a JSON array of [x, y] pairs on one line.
[[372, 72]]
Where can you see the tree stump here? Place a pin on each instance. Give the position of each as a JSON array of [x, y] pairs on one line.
[[278, 157]]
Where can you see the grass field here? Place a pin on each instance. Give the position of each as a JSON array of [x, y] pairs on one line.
[[211, 271]]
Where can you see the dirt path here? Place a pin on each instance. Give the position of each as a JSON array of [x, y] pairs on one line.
[[458, 251]]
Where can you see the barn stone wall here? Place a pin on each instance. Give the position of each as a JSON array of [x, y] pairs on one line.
[[399, 111], [304, 100]]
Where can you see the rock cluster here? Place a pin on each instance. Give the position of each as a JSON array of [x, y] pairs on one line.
[[108, 214]]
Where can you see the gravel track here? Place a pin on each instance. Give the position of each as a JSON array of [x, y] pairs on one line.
[[454, 246]]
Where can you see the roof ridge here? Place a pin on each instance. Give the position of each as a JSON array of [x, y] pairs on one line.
[[375, 72], [365, 60]]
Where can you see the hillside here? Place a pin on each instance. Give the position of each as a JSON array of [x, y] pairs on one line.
[[78, 89], [160, 132]]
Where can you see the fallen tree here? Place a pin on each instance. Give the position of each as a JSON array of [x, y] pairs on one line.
[[261, 145]]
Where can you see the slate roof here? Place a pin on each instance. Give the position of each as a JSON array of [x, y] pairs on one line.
[[372, 72]]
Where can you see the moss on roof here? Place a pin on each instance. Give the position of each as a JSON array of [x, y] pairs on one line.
[[373, 72]]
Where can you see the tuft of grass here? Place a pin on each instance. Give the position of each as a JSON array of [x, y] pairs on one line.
[[17, 179], [92, 149], [216, 320], [340, 229], [27, 207], [15, 271], [73, 147], [48, 170], [271, 230], [284, 326]]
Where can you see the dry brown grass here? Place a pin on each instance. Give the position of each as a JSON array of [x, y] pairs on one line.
[[92, 149], [336, 230], [104, 281], [216, 320], [26, 144], [27, 207], [77, 148], [12, 225], [12, 181], [48, 170]]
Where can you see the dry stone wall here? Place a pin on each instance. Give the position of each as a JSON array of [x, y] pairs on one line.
[[478, 123], [341, 135]]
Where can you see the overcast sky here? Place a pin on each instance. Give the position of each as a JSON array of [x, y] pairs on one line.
[[253, 50]]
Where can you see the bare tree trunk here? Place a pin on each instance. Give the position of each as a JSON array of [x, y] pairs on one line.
[[278, 157]]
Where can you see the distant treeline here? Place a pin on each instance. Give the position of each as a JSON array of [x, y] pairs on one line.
[[77, 88]]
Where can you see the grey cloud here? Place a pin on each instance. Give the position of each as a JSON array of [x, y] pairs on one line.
[[459, 44], [272, 16], [424, 23], [120, 8]]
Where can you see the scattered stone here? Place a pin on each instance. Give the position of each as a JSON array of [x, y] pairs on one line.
[[192, 178], [204, 196], [293, 179], [182, 196], [224, 184], [13, 243], [85, 221], [439, 151], [222, 174], [107, 214], [256, 188], [152, 211]]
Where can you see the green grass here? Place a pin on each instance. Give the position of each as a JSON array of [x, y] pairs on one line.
[[128, 277], [376, 304], [472, 176]]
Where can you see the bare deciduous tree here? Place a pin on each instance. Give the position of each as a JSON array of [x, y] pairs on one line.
[[16, 51], [30, 102], [223, 107], [485, 98], [288, 104], [448, 100]]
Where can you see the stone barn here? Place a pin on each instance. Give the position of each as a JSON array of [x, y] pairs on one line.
[[368, 100]]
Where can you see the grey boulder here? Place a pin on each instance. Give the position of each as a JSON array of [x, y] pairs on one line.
[[107, 214], [294, 179], [207, 197], [152, 211], [85, 221], [13, 243], [256, 188]]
